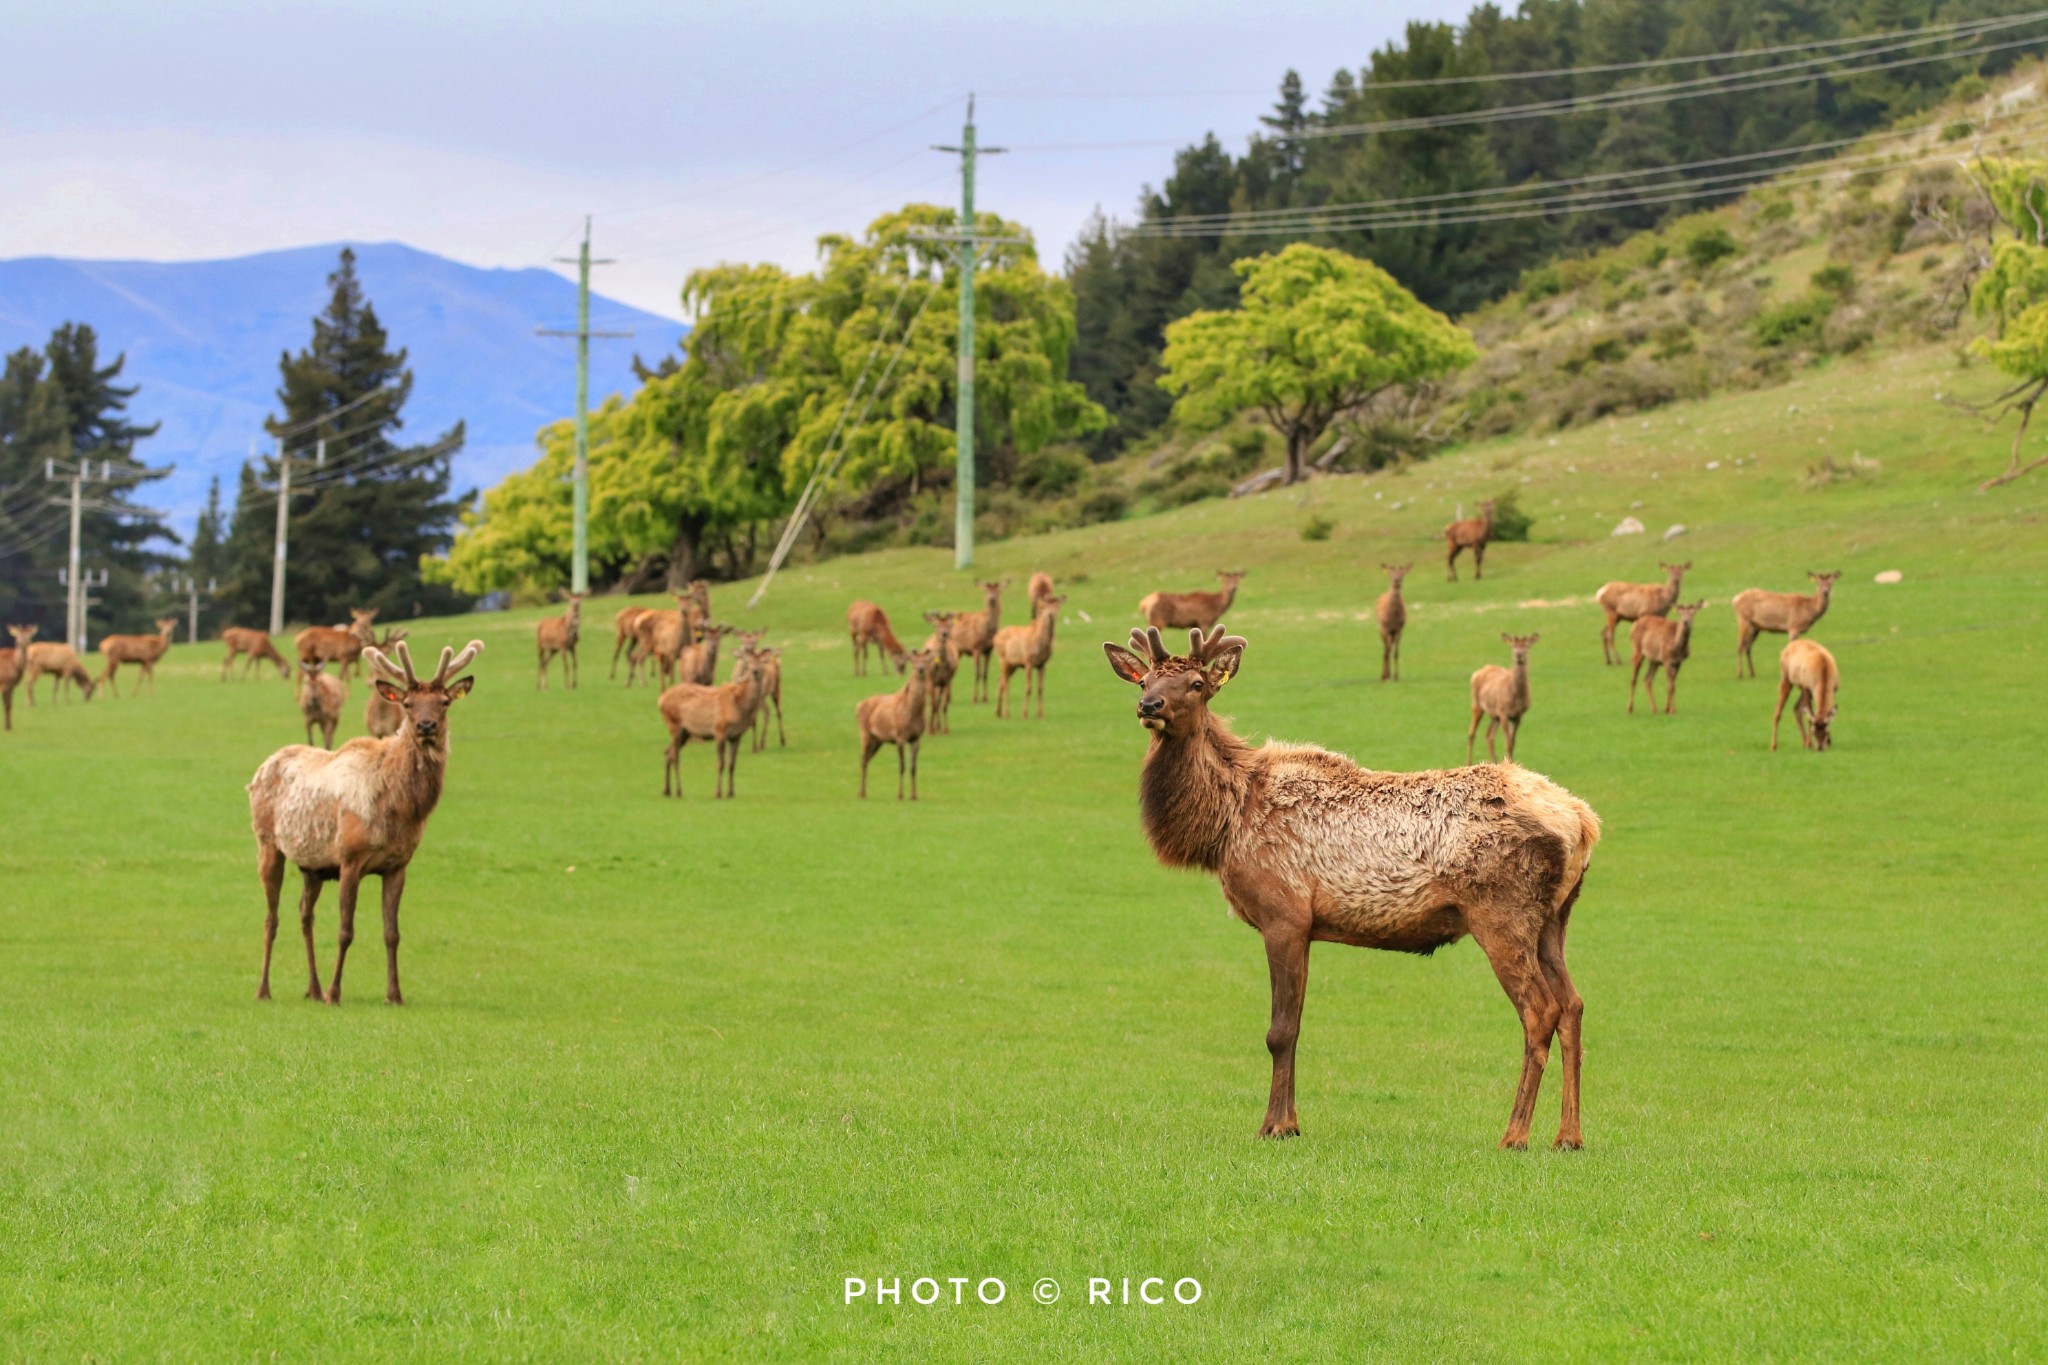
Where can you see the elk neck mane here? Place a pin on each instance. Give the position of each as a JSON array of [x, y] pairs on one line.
[[1192, 790], [411, 771]]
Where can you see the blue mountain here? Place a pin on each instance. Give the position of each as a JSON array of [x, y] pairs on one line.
[[203, 340]]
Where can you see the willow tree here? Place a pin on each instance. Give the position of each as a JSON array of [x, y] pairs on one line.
[[2014, 293]]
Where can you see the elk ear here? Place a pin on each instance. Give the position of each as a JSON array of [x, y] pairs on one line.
[[1125, 664], [1224, 666], [460, 688], [394, 695]]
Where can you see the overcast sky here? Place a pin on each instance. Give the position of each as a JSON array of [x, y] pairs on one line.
[[695, 132]]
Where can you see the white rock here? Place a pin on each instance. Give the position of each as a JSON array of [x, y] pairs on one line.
[[1713, 464], [1627, 526], [1674, 532], [1890, 576]]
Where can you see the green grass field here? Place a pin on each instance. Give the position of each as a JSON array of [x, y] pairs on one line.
[[671, 1071]]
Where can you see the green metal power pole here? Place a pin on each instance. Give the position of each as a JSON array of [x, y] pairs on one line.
[[579, 560], [963, 403]]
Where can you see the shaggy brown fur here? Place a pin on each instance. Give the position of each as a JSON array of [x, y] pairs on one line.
[[356, 812], [1473, 533], [896, 718], [974, 635], [12, 663], [1502, 696], [1393, 618], [1633, 601], [945, 663], [339, 645], [721, 715], [320, 699], [867, 624], [1781, 613], [61, 662], [1197, 610], [141, 650], [560, 635], [1661, 642], [1029, 648], [1309, 846], [1807, 667], [254, 643]]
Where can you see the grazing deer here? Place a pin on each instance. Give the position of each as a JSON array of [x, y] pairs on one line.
[[1661, 641], [1307, 845], [560, 635], [1502, 696], [12, 663], [356, 812], [623, 638], [896, 718], [61, 662], [320, 701], [1472, 534], [141, 650], [1807, 666], [1393, 618], [382, 718], [867, 624], [939, 682], [339, 645], [1029, 648], [721, 715], [1039, 589], [254, 643], [1780, 613], [1195, 610], [1633, 601], [974, 635]]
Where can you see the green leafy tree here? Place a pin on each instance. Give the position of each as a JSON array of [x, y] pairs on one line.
[[2013, 292], [1318, 334]]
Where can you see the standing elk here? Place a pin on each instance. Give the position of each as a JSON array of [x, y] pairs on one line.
[[382, 718], [1660, 642], [1502, 696], [60, 661], [769, 663], [356, 812], [974, 635], [1392, 611], [1039, 589], [623, 637], [945, 663], [1780, 613], [664, 635], [721, 715], [560, 635], [320, 699], [254, 643], [141, 650], [867, 624], [338, 645], [896, 718], [1807, 667], [1473, 533], [12, 663], [1194, 610], [698, 663], [1029, 648], [1633, 601], [1309, 846]]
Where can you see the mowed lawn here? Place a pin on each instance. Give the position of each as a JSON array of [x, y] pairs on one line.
[[671, 1071]]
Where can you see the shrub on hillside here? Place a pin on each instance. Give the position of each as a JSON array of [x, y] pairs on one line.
[[1837, 278], [1052, 472], [1710, 244], [1108, 503], [1510, 522], [1797, 323], [1317, 527]]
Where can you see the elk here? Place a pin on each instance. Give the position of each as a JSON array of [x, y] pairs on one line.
[[1633, 601], [1780, 613], [341, 645], [1472, 534], [974, 636], [320, 701], [699, 662], [559, 635], [1502, 696], [664, 635], [1658, 640], [1039, 589], [141, 650], [868, 624], [945, 663], [1309, 846], [721, 715], [357, 811], [12, 662], [254, 643], [1195, 610], [1393, 618], [382, 718], [896, 718], [769, 662], [1029, 648], [623, 636], [61, 662], [1806, 666]]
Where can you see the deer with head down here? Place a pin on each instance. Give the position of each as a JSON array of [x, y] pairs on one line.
[[1502, 696], [1392, 612], [1308, 846], [1029, 648], [13, 662], [896, 718], [939, 681], [1190, 610], [867, 624], [355, 812], [60, 661], [721, 715], [337, 645], [560, 635], [974, 634], [141, 650], [1633, 601], [1661, 642], [1780, 613], [254, 643], [1474, 534], [321, 697], [1806, 667]]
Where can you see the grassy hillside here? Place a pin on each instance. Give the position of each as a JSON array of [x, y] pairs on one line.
[[671, 1071]]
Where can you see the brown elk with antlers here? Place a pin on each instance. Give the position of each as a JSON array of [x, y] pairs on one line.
[[256, 644], [60, 661], [896, 718], [381, 718], [1192, 610], [1633, 601], [1029, 648], [560, 635], [1392, 612], [1806, 667], [1474, 534], [939, 681], [141, 650], [721, 715], [1502, 696], [1308, 846], [867, 624], [974, 635], [13, 662], [1779, 613], [1661, 642], [356, 812], [338, 645], [321, 697]]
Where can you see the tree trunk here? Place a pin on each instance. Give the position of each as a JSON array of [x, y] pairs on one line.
[[1297, 452], [682, 551]]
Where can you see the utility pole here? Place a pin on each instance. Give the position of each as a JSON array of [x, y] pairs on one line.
[[963, 400], [191, 586], [579, 561], [284, 503], [76, 473]]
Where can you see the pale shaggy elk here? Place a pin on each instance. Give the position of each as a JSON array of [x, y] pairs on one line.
[[721, 715], [1662, 643], [896, 718], [321, 697], [1029, 648], [382, 718], [974, 635], [1633, 601], [1392, 612], [338, 645], [256, 644], [141, 650], [1474, 534], [60, 661], [1309, 846], [1196, 610], [1807, 667], [560, 635], [356, 812], [13, 662], [1502, 696], [945, 663], [867, 624], [1780, 613]]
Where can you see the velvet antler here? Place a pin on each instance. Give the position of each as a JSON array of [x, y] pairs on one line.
[[1214, 646], [392, 673], [452, 662]]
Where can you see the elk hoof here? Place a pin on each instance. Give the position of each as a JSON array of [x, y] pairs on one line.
[[394, 998], [1272, 1128], [1569, 1144], [1511, 1143], [263, 992], [333, 997]]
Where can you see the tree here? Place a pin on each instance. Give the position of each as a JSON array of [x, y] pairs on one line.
[[1316, 335], [2014, 292]]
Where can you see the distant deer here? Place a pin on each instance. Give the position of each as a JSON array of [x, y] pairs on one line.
[[1502, 696], [665, 635], [381, 718], [141, 650], [945, 663], [1393, 618], [356, 812], [560, 635], [1029, 648], [60, 661], [896, 718], [1307, 845], [1038, 590], [623, 638], [699, 663], [1633, 601], [13, 662], [1663, 642], [338, 645], [1472, 534], [867, 624], [1194, 610], [321, 698], [1807, 667], [721, 715], [254, 643], [1780, 613], [974, 635], [769, 663]]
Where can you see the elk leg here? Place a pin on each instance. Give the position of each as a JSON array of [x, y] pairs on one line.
[[1671, 689], [574, 670], [351, 881], [270, 871], [1572, 1009], [913, 767], [1041, 691], [1386, 658], [1784, 690], [867, 751], [1287, 961], [1636, 673], [1454, 563], [309, 896], [781, 737], [1744, 640], [1479, 561], [1470, 733], [394, 888], [899, 770], [1492, 726], [1520, 974], [1510, 728]]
